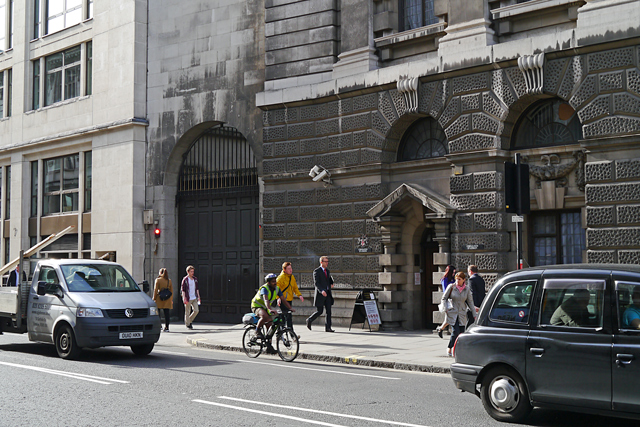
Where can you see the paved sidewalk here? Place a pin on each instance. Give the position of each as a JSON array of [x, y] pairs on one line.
[[409, 350]]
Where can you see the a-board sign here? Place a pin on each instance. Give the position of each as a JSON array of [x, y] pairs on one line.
[[373, 316], [365, 309]]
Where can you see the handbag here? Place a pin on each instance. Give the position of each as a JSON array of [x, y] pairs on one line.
[[165, 294], [445, 306]]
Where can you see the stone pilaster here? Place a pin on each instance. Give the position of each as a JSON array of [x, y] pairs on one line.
[[391, 278]]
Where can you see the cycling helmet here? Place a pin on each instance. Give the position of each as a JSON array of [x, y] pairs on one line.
[[269, 277]]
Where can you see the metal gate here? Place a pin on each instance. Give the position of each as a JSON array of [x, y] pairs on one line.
[[218, 222]]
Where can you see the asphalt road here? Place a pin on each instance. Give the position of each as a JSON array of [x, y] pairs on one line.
[[186, 386]]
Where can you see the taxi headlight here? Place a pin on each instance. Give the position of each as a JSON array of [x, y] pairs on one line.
[[89, 312], [153, 311]]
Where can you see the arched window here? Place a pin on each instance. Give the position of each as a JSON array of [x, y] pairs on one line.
[[417, 13], [546, 123], [425, 139]]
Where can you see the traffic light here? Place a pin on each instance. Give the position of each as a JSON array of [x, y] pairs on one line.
[[156, 232], [516, 188]]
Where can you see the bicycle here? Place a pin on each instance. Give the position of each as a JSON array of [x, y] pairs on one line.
[[287, 345]]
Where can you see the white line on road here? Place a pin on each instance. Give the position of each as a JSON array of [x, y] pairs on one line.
[[255, 411], [320, 370], [315, 411], [170, 352], [84, 377]]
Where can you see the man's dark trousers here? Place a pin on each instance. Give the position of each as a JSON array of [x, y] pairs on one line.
[[320, 310]]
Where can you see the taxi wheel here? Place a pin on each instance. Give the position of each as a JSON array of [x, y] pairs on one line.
[[504, 395], [142, 349], [66, 344]]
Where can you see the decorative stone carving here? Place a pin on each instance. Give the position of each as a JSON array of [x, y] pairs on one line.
[[532, 67], [409, 90], [601, 257], [552, 170], [599, 171], [435, 203], [598, 216], [626, 169]]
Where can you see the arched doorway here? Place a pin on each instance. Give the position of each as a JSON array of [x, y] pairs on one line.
[[218, 222]]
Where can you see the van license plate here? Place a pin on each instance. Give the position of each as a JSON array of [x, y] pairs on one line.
[[130, 335]]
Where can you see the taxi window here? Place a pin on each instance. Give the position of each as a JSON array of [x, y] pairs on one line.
[[628, 301], [573, 303], [513, 304]]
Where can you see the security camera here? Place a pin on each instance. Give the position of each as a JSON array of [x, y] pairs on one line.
[[314, 171], [320, 176]]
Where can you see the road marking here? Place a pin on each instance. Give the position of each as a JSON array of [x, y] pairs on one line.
[[315, 411], [255, 411], [320, 370], [84, 377], [170, 352]]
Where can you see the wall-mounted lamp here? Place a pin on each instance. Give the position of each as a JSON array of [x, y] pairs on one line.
[[319, 173]]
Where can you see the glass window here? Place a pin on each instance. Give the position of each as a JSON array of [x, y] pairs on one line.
[[62, 71], [62, 14], [417, 13], [34, 189], [48, 275], [7, 203], [88, 174], [36, 84], [3, 25], [12, 15], [546, 123], [628, 299], [90, 9], [89, 68], [61, 185], [37, 19], [514, 303], [557, 238], [1, 94], [7, 250], [573, 303], [9, 90], [425, 139]]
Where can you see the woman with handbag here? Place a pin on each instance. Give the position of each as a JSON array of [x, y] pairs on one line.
[[287, 284], [162, 295], [456, 299], [445, 282]]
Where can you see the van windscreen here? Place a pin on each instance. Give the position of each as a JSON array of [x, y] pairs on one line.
[[98, 278]]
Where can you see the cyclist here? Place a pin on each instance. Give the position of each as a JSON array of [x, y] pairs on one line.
[[265, 298]]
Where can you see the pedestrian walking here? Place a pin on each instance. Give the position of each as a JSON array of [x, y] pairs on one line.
[[323, 300], [460, 296], [190, 296], [163, 295], [477, 285], [287, 284], [448, 279]]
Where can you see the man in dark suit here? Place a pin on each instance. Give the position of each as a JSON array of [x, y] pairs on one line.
[[323, 282], [476, 282]]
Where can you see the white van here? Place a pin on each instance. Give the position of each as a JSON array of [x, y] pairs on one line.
[[77, 304]]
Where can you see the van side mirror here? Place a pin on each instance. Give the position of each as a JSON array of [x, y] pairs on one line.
[[42, 288], [145, 286]]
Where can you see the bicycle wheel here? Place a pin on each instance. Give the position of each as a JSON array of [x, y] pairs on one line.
[[287, 345], [251, 344]]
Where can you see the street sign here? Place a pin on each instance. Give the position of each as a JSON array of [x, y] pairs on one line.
[[517, 218]]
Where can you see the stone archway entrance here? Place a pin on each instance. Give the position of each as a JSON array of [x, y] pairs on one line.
[[414, 221], [218, 222]]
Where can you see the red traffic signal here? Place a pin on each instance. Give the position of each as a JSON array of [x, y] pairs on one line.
[[156, 232]]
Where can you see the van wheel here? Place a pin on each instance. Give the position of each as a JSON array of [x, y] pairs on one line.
[[66, 344], [504, 395], [142, 349]]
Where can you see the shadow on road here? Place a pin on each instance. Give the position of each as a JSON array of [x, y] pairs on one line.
[[551, 418]]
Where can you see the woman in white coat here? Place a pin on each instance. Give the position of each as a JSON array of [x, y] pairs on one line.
[[459, 293]]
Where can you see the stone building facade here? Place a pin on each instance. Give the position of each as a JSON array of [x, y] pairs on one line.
[[555, 81], [205, 118]]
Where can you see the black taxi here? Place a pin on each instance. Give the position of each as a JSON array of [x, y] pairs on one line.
[[564, 337]]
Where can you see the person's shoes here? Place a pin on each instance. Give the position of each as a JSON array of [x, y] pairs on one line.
[[329, 330], [449, 354], [271, 350], [439, 329], [189, 327], [308, 324], [166, 329]]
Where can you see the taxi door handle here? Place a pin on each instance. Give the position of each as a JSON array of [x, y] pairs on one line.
[[537, 352], [624, 359]]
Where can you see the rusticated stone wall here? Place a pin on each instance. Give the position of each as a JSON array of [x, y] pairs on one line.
[[613, 211]]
